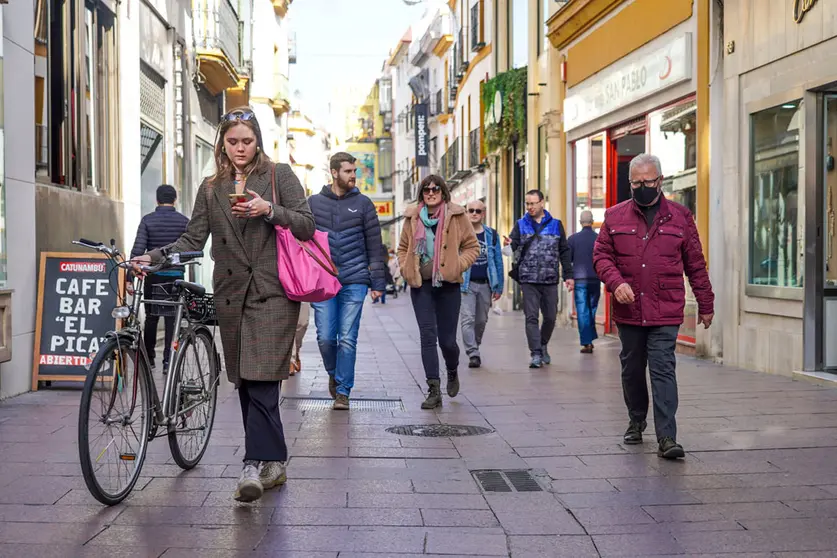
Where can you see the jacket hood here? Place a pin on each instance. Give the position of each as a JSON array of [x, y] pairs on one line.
[[453, 209], [326, 191]]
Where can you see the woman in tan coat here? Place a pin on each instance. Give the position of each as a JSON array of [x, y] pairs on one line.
[[437, 246], [256, 319]]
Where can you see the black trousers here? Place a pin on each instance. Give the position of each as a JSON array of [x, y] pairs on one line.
[[151, 322], [539, 299], [437, 314], [264, 437], [652, 347]]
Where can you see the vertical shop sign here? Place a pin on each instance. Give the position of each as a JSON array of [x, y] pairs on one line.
[[422, 148]]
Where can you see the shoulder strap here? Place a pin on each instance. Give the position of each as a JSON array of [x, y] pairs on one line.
[[273, 184]]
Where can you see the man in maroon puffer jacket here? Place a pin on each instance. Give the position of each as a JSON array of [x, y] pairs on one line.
[[645, 246]]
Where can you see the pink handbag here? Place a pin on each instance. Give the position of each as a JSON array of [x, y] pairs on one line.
[[306, 269]]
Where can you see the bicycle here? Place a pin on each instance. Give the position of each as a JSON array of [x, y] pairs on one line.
[[120, 372]]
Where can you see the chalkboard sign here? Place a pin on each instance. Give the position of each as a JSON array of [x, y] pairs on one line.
[[76, 294]]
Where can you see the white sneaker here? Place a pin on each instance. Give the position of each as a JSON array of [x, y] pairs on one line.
[[250, 487], [273, 473]]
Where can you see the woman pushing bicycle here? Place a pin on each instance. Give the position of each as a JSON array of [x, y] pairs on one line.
[[256, 319]]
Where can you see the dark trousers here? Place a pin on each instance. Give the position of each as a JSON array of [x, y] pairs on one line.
[[264, 437], [652, 347], [437, 314], [539, 299], [151, 322]]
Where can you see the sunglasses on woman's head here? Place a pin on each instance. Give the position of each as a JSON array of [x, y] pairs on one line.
[[431, 189], [477, 211], [239, 115]]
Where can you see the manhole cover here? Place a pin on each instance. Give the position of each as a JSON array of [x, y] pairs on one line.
[[355, 404], [438, 430]]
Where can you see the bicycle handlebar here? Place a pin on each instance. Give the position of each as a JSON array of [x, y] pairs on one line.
[[173, 259]]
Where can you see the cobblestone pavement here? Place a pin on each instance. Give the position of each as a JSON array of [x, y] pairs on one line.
[[760, 477]]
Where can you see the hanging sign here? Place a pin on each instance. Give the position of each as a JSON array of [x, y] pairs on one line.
[[619, 86], [383, 208], [422, 136], [76, 294]]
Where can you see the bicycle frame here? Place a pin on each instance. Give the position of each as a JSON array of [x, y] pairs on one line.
[[164, 411]]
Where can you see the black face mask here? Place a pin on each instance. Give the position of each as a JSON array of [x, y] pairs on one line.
[[644, 195]]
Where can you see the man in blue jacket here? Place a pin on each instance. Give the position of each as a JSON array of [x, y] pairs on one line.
[[539, 243], [587, 284], [482, 284], [354, 236], [156, 230]]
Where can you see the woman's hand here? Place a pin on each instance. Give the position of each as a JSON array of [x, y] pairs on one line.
[[256, 207], [138, 263]]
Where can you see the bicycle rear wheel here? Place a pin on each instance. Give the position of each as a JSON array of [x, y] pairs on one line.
[[194, 399], [114, 422]]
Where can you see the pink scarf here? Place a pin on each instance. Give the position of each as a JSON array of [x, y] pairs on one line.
[[421, 234]]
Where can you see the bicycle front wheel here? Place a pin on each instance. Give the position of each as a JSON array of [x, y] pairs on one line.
[[194, 399], [114, 422]]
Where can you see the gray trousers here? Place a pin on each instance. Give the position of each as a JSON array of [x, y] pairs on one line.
[[474, 316], [539, 299], [652, 347]]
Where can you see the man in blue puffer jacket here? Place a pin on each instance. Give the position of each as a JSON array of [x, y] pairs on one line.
[[158, 229], [540, 244], [354, 236]]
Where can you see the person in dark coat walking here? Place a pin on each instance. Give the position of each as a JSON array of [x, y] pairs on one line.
[[158, 229], [540, 244], [256, 318], [354, 236], [588, 288], [645, 246]]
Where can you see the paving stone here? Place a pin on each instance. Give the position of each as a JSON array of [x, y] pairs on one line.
[[423, 501], [53, 551], [643, 544], [341, 539], [347, 516], [533, 514], [464, 544], [459, 518], [555, 546]]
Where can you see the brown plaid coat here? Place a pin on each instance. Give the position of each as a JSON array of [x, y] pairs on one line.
[[256, 320]]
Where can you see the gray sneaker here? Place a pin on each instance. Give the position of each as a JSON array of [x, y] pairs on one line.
[[273, 473], [545, 358], [536, 361], [250, 487]]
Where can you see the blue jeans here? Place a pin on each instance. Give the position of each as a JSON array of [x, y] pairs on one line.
[[586, 303], [338, 322]]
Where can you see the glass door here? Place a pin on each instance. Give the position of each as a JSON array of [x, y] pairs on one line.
[[829, 240]]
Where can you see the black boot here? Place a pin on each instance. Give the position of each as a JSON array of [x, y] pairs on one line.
[[434, 395], [453, 383]]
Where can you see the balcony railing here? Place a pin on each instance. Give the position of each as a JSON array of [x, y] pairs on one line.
[[408, 189], [476, 44], [436, 106], [217, 27], [292, 49], [450, 160], [474, 158]]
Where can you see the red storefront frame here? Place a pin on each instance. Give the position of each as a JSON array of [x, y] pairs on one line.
[[613, 159]]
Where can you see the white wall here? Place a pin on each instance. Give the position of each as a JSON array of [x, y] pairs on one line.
[[17, 22], [129, 102]]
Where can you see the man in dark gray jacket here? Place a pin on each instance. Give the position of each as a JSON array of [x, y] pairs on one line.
[[156, 230], [354, 236]]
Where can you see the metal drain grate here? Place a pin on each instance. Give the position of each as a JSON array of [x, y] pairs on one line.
[[324, 404], [518, 480], [438, 430]]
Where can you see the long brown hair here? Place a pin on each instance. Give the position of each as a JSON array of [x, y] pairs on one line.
[[223, 165]]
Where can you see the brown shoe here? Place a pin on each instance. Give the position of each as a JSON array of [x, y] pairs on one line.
[[587, 349], [341, 403]]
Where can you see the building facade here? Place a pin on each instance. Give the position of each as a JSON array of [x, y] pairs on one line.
[[639, 95], [778, 186], [92, 78]]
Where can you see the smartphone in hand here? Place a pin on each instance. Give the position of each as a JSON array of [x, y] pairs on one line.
[[238, 198]]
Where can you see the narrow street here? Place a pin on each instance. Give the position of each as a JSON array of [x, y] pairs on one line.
[[758, 479]]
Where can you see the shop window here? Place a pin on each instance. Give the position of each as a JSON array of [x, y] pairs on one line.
[[76, 96], [590, 191], [673, 138], [776, 220]]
